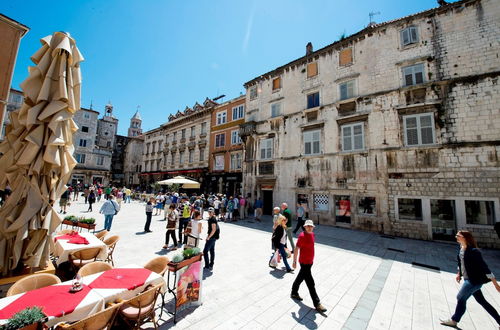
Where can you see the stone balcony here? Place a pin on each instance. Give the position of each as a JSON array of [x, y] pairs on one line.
[[247, 128]]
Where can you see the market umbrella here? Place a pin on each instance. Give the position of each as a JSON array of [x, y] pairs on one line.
[[37, 153], [186, 183]]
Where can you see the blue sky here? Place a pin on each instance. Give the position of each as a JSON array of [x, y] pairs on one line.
[[164, 55]]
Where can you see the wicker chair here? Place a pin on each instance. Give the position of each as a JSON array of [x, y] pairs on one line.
[[94, 267], [98, 321], [136, 311], [111, 243], [64, 231], [158, 265], [32, 282], [100, 235], [83, 257]]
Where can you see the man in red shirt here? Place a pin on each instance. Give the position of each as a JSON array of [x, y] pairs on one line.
[[305, 246]]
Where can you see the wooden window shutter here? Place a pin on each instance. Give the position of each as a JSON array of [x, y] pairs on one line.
[[312, 69], [276, 83], [345, 56]]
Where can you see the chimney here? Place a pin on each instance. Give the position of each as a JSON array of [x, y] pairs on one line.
[[309, 48]]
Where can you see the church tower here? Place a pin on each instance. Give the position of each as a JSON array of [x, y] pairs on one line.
[[135, 125]]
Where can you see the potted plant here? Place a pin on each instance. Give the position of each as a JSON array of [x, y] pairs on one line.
[[188, 256], [31, 318], [88, 223], [71, 220]]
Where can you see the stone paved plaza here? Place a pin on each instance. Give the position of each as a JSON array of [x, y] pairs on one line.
[[364, 280]]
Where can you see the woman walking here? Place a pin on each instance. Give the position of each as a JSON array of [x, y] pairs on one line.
[[91, 199], [172, 222], [475, 273], [279, 241]]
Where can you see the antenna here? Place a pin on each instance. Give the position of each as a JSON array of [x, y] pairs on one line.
[[91, 105], [371, 14], [138, 107]]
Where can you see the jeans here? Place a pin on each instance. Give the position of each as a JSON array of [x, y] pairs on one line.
[[108, 219], [149, 215], [281, 249], [290, 237], [305, 275], [300, 224], [183, 223], [468, 289], [127, 199], [209, 247]]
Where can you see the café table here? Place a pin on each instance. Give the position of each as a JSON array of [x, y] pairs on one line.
[[62, 248], [123, 283], [56, 301]]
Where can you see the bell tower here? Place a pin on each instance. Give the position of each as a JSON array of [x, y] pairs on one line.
[[135, 125]]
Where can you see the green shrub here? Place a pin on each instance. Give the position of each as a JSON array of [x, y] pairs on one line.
[[71, 218], [196, 251], [178, 258], [87, 220], [23, 318]]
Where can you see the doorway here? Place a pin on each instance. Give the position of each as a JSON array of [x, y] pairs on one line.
[[267, 198]]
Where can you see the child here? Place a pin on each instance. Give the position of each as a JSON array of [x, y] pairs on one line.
[[172, 223], [149, 214], [305, 245]]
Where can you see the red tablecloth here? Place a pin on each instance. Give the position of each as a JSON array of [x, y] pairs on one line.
[[54, 300], [73, 238], [121, 278]]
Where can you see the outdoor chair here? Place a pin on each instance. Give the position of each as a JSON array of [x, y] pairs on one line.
[[159, 265], [64, 231], [32, 282], [98, 321], [141, 308], [94, 267], [100, 235], [111, 243], [83, 257]]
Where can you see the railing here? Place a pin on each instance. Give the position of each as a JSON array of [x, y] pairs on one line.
[[266, 168]]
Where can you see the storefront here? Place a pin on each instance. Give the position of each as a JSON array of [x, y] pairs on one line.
[[225, 183]]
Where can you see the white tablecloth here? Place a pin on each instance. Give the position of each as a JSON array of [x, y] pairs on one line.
[[63, 249], [111, 295], [91, 304]]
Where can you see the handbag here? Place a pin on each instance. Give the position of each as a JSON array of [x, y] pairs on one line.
[[116, 212], [274, 260]]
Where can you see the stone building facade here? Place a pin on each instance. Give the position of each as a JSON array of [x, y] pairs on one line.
[[152, 156], [15, 101], [132, 162], [11, 33], [94, 161], [394, 129], [226, 147]]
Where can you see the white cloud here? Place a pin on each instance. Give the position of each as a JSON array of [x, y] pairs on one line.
[[248, 32]]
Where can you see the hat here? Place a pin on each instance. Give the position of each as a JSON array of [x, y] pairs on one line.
[[211, 209], [309, 223]]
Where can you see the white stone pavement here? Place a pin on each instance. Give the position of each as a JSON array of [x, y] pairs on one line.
[[362, 283]]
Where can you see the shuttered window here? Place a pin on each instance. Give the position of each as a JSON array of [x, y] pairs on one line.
[[312, 69], [345, 56], [353, 137], [409, 36], [413, 74], [419, 129], [276, 83], [312, 144]]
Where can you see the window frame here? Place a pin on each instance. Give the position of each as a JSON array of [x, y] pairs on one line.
[[413, 74], [419, 130], [274, 104], [238, 141], [306, 139], [269, 148], [80, 158], [346, 83], [235, 157], [204, 128], [193, 131], [100, 160], [84, 143], [202, 154], [220, 140], [85, 129], [308, 65], [181, 157], [221, 117], [239, 110], [314, 105], [352, 125], [191, 156], [410, 41]]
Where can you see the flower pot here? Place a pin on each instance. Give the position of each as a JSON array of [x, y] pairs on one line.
[[175, 266], [70, 223], [86, 225]]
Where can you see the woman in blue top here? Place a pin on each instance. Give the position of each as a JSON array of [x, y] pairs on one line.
[[109, 209], [475, 272]]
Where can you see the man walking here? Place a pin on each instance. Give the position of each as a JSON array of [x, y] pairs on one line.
[[258, 208], [110, 208], [305, 247], [288, 215], [212, 237], [300, 218]]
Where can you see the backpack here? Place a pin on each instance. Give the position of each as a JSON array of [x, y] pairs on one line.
[[186, 212]]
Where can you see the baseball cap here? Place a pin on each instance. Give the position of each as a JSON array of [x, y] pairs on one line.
[[309, 223], [211, 209]]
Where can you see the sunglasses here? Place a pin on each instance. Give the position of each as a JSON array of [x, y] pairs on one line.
[[457, 235]]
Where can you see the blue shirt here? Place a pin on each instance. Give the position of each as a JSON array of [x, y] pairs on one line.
[[259, 203], [109, 207]]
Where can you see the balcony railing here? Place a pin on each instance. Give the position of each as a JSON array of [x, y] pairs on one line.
[[247, 128], [266, 168]]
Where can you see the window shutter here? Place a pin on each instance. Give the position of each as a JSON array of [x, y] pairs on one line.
[[312, 69], [346, 134], [426, 130], [350, 89], [419, 77], [358, 137], [345, 56], [316, 147], [343, 91], [405, 37], [411, 131], [413, 35]]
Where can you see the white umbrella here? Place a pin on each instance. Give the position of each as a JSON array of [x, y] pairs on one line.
[[186, 183], [37, 153]]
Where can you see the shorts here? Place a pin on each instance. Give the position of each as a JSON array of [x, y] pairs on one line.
[[63, 202], [216, 211]]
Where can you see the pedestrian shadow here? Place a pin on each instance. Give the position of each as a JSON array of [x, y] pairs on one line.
[[141, 233], [162, 252], [277, 273], [300, 316]]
